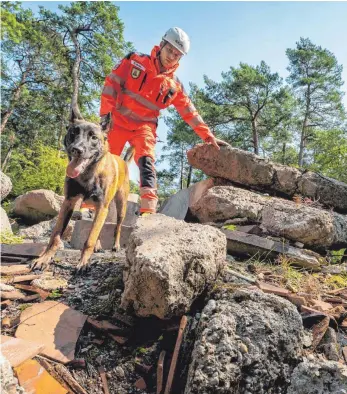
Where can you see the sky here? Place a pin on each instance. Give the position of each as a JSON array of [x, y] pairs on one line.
[[223, 34]]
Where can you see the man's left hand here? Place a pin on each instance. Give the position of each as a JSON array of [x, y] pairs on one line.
[[216, 142]]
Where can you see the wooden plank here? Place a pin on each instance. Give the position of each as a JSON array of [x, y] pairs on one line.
[[23, 250], [18, 350], [244, 244], [43, 294], [160, 372], [172, 370], [16, 269]]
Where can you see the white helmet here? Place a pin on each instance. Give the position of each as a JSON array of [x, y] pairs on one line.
[[178, 38]]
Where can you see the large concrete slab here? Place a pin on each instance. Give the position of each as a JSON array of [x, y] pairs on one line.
[[82, 230], [248, 169], [244, 244]]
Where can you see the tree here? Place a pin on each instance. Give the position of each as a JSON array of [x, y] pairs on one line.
[[315, 77], [92, 36], [329, 155], [243, 101], [42, 55], [180, 138], [26, 58]]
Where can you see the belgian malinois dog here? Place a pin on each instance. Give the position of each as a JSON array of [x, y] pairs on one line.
[[92, 175]]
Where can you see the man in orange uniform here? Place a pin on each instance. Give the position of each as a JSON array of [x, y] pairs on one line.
[[135, 92]]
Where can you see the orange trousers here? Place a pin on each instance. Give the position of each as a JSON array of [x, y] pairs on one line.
[[143, 140]]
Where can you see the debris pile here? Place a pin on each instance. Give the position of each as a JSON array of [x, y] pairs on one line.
[[247, 295]]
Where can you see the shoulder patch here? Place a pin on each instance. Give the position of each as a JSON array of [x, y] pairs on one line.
[[138, 65]]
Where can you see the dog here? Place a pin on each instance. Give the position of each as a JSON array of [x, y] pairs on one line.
[[94, 175]]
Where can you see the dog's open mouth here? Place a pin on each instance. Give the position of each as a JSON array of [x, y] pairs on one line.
[[76, 167]]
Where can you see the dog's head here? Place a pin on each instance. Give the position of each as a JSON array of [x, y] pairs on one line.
[[85, 144]]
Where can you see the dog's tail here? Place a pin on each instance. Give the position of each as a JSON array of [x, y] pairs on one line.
[[129, 154]]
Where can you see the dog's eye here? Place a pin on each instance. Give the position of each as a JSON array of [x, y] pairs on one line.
[[94, 137]]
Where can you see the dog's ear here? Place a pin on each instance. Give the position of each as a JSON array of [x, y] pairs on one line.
[[75, 115], [105, 122]]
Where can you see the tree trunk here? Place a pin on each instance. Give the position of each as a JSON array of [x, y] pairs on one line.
[[7, 158], [255, 136], [75, 78], [284, 146], [190, 171], [16, 95], [61, 132], [182, 166], [304, 127]]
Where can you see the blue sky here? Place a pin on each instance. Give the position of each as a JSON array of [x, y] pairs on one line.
[[223, 34]]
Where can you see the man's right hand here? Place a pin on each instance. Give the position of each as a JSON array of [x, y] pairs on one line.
[[216, 142]]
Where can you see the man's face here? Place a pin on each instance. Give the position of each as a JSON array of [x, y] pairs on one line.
[[169, 55]]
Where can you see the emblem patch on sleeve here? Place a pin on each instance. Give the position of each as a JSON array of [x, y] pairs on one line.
[[135, 72]]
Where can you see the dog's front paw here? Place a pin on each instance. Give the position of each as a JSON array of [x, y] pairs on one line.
[[116, 248], [41, 263], [82, 267]]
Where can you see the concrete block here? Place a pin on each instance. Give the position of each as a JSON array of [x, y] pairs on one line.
[[82, 230]]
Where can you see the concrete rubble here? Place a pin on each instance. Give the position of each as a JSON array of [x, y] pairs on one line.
[[250, 170], [169, 264]]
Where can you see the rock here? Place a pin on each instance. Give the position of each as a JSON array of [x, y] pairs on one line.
[[248, 169], [319, 377], [119, 372], [38, 205], [6, 185], [8, 383], [49, 283], [169, 264], [5, 287], [243, 244], [44, 229], [5, 225], [329, 345], [247, 342], [311, 226]]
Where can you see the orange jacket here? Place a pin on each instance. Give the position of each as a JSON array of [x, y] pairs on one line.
[[136, 91]]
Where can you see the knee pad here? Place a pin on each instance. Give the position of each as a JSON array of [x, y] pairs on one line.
[[147, 172]]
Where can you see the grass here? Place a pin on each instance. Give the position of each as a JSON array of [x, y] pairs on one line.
[[337, 281], [55, 294], [6, 237], [230, 227]]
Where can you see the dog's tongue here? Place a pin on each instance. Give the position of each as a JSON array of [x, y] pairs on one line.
[[75, 167]]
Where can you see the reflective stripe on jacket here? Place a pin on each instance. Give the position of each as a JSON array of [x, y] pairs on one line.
[[135, 92]]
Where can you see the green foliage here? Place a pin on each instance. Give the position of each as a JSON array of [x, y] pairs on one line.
[[55, 294], [337, 281], [329, 153], [247, 104], [230, 227], [6, 237], [38, 168], [134, 187], [316, 79]]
